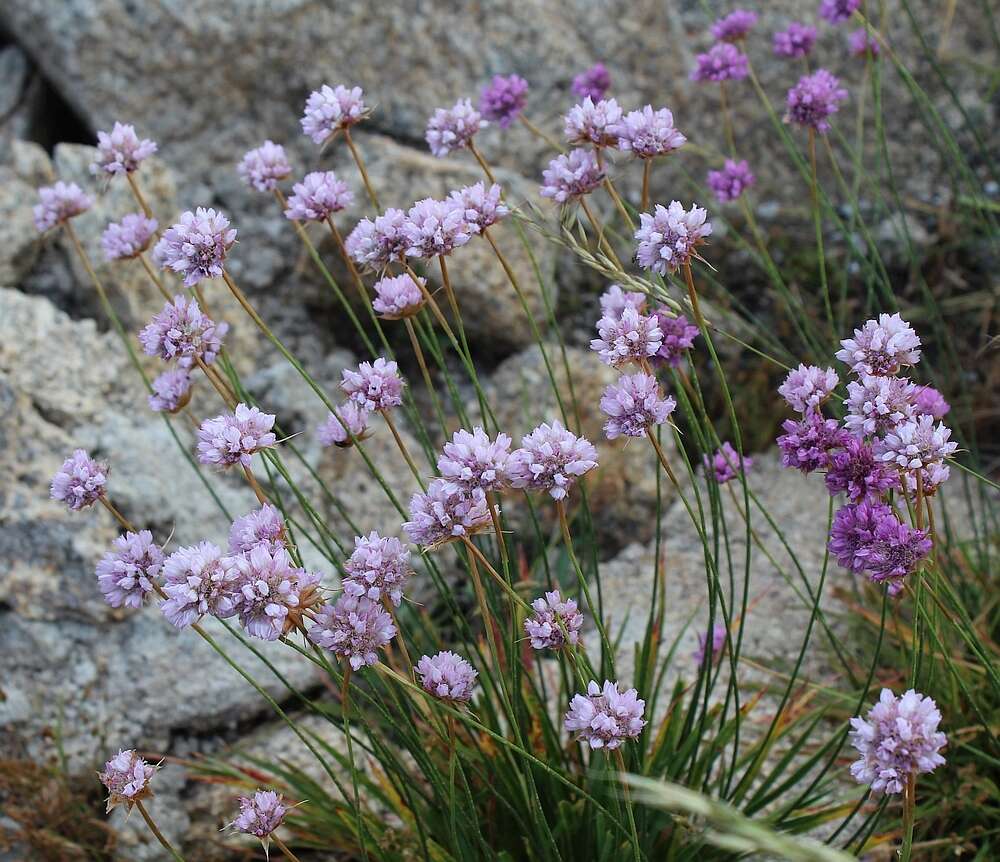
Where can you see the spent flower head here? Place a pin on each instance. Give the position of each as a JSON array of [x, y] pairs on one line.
[[634, 404], [332, 109], [233, 438], [196, 246], [447, 676], [127, 574], [668, 237], [80, 482], [503, 99], [606, 717], [264, 167], [128, 238], [182, 332], [552, 459], [354, 629], [59, 203], [121, 150], [453, 128]]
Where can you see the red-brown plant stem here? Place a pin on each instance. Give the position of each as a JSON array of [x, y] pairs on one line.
[[351, 268], [538, 133], [482, 162], [435, 308], [424, 372], [693, 296], [254, 484], [402, 449], [361, 169], [602, 240], [118, 515], [153, 277], [284, 849], [138, 194], [391, 611], [647, 169]]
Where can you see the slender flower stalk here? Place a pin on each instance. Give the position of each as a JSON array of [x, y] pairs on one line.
[[356, 155], [156, 832]]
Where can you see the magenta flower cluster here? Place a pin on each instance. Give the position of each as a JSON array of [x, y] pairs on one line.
[[722, 62], [606, 717], [503, 99], [814, 99], [554, 623], [795, 41], [734, 26], [447, 676], [730, 182], [592, 83]]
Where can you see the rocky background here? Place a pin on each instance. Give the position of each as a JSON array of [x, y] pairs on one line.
[[209, 79]]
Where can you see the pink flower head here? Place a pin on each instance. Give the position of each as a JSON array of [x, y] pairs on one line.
[[59, 203], [473, 460], [551, 458], [726, 464], [273, 592], [182, 332], [445, 513], [614, 301], [481, 207], [571, 176], [729, 183], [632, 337], [723, 62], [592, 83], [376, 244], [648, 133], [127, 777], [503, 99], [331, 109], [399, 296], [554, 623], [668, 237], [808, 386], [807, 443], [128, 238], [196, 246], [735, 26], [126, 575], [860, 44], [795, 41], [354, 629], [838, 11], [928, 401], [881, 347], [263, 526], [319, 195], [264, 167], [895, 552], [605, 717], [121, 150], [375, 386], [233, 438], [876, 405], [592, 122], [633, 405], [80, 482], [434, 228], [814, 99], [679, 334], [199, 580], [453, 128], [853, 470], [447, 676], [171, 391], [916, 444], [853, 531], [260, 814], [377, 569], [719, 632], [350, 423]]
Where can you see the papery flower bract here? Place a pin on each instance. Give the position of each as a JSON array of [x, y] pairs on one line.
[[503, 99], [445, 512], [378, 568], [434, 227], [354, 629], [571, 175], [648, 133], [719, 632], [729, 183], [183, 332], [171, 391], [318, 196], [679, 334], [233, 438], [668, 237], [725, 463], [349, 424], [930, 478], [814, 99], [126, 575], [121, 150], [128, 238], [199, 580], [552, 459], [398, 296], [453, 128], [264, 167], [80, 482], [376, 244], [853, 470], [592, 83], [633, 405], [127, 777], [331, 109], [853, 531], [916, 444], [898, 738], [473, 460], [723, 62], [838, 11], [860, 44], [555, 622], [734, 26], [375, 386], [807, 443], [796, 41], [273, 592], [606, 717], [264, 526], [928, 401], [447, 676], [895, 552], [196, 246], [630, 337], [881, 347], [481, 207], [615, 300], [260, 814], [59, 203], [592, 122], [876, 405], [808, 386]]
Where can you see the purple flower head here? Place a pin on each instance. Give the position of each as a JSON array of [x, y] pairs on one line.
[[354, 629], [592, 122], [571, 176], [330, 109], [895, 552], [718, 644], [196, 246], [447, 676], [881, 347], [264, 167], [453, 128], [807, 443], [916, 444], [263, 526], [199, 580], [555, 622], [729, 183], [853, 531], [126, 575], [350, 423], [797, 41], [184, 333], [377, 569], [927, 401], [233, 438], [59, 203], [854, 471], [631, 337], [260, 814], [725, 463], [860, 44], [481, 207], [127, 777], [121, 150], [434, 227], [838, 11], [398, 296], [615, 300], [171, 391], [606, 717], [808, 386], [375, 386], [128, 238], [900, 738], [814, 99], [592, 83], [633, 405], [445, 513], [648, 133], [678, 335], [503, 99], [318, 196], [551, 458], [735, 26], [472, 460], [273, 592], [80, 482], [668, 237], [376, 244], [876, 405], [723, 62]]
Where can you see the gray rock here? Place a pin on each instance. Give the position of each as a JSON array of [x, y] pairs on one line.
[[24, 167]]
